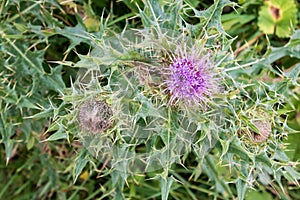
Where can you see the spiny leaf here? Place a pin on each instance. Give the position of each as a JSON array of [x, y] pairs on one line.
[[30, 62], [292, 175], [238, 150], [53, 80], [165, 184], [160, 14], [210, 169], [59, 134], [133, 6], [212, 15], [9, 144], [146, 108], [241, 188], [294, 74], [43, 114], [80, 163], [25, 102], [76, 35]]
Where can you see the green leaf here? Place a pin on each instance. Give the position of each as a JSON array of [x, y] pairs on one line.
[[210, 169], [80, 163], [237, 149], [59, 134], [9, 145], [292, 175], [212, 15], [76, 35], [147, 108], [277, 16], [27, 62], [53, 80], [165, 184], [133, 6], [293, 147], [26, 103], [294, 42], [225, 147], [263, 159], [161, 14], [294, 74], [44, 114], [241, 188], [291, 49]]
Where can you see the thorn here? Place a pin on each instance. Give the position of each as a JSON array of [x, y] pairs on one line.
[[7, 160]]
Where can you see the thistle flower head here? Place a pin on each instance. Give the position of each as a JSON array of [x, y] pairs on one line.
[[191, 79]]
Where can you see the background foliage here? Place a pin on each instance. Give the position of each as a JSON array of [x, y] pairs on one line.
[[44, 43]]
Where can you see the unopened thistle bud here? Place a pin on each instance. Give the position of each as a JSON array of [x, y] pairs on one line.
[[263, 126]]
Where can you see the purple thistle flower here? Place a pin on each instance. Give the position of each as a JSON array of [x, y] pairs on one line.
[[191, 79]]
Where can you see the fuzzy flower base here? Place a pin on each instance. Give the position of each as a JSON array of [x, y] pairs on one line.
[[191, 79]]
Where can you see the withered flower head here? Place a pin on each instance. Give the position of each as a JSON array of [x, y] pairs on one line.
[[95, 116]]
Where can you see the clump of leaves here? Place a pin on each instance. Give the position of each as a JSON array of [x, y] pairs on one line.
[[156, 127]]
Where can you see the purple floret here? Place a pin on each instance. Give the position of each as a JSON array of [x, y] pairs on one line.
[[190, 80]]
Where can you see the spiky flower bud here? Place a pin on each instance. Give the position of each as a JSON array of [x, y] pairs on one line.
[[191, 78], [95, 116], [263, 126]]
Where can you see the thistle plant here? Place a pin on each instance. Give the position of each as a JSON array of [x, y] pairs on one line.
[[172, 96], [167, 102]]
